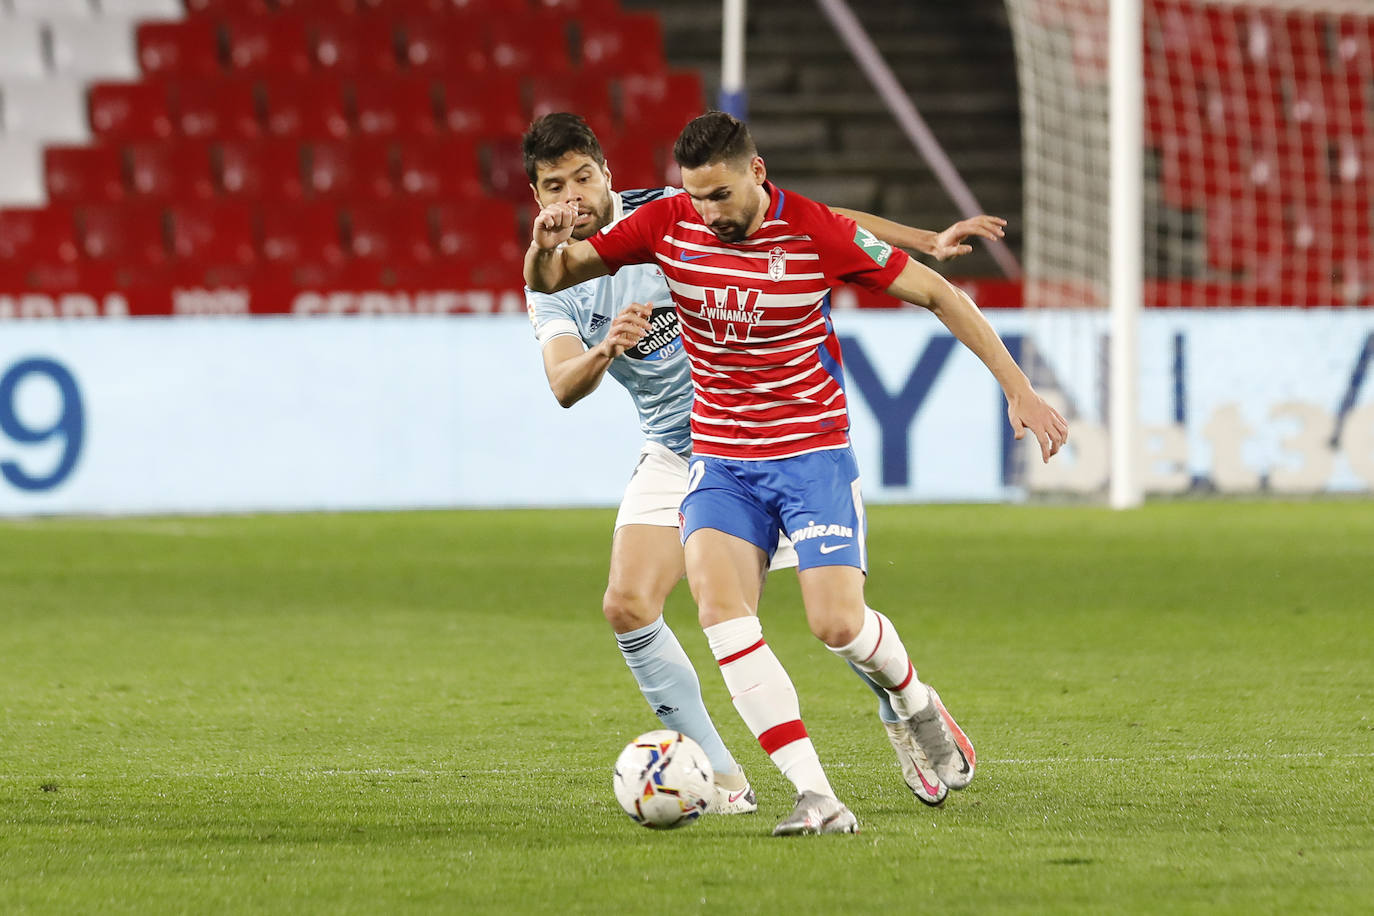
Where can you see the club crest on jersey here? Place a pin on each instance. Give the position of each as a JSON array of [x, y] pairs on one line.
[[731, 319], [873, 246], [777, 264]]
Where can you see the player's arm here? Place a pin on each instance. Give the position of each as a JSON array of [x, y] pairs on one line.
[[574, 371], [939, 245], [549, 268], [1027, 411]]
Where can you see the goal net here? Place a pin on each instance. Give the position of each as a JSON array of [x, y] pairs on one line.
[[1259, 151]]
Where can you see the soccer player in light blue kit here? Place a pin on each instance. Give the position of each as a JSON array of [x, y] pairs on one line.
[[626, 326]]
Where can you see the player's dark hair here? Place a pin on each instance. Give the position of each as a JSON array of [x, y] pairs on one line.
[[713, 137], [553, 136]]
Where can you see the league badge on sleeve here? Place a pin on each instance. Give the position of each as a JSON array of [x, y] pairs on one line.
[[873, 246]]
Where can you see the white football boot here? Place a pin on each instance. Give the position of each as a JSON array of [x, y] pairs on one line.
[[817, 813], [916, 769], [733, 795], [944, 744]]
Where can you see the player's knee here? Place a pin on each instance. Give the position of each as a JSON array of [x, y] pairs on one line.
[[836, 631], [628, 610]]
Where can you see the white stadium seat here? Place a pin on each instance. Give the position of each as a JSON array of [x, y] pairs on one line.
[[143, 9], [21, 50], [21, 173], [42, 9], [93, 48], [53, 110]]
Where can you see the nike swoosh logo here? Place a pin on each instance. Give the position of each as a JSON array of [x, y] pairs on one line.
[[828, 548], [736, 796], [692, 257], [933, 790]]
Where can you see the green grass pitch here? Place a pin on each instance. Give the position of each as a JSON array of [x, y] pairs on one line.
[[418, 712]]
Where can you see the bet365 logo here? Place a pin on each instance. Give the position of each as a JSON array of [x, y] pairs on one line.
[[873, 246]]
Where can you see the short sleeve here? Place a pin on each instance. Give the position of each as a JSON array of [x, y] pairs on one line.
[[631, 241], [551, 316], [853, 254]]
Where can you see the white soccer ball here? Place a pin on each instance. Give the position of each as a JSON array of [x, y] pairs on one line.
[[664, 779]]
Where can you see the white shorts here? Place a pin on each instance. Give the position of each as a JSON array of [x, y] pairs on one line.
[[655, 492]]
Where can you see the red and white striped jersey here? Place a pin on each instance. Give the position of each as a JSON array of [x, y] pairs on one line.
[[755, 316]]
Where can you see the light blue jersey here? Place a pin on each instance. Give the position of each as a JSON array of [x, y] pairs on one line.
[[655, 372]]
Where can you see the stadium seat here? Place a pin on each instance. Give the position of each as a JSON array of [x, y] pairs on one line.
[[321, 9], [505, 170], [170, 171], [228, 7], [395, 231], [178, 49], [84, 174], [21, 172], [270, 46], [311, 108], [84, 275], [261, 169], [439, 167], [529, 46], [125, 234], [632, 42], [215, 109], [478, 230], [51, 110], [356, 168], [93, 48], [213, 233], [30, 234], [658, 103], [353, 45], [587, 96], [21, 51], [443, 46], [130, 111], [635, 161], [496, 110], [301, 234], [581, 10], [394, 107], [410, 7]]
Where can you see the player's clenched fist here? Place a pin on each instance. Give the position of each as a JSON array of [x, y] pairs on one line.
[[627, 329], [554, 224]]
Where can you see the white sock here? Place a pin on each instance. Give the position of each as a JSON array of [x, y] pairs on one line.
[[878, 652], [767, 701]]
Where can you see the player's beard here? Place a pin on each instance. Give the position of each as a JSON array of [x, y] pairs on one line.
[[601, 216], [735, 230]]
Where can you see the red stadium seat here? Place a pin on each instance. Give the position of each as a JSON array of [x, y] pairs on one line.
[[588, 97], [410, 7], [635, 161], [481, 229], [84, 275], [129, 111], [37, 234], [306, 108], [505, 173], [531, 45], [391, 232], [582, 10], [659, 103], [170, 171], [261, 170], [443, 46], [494, 110], [394, 107], [356, 168], [213, 233], [632, 42], [216, 109], [354, 45], [270, 46], [302, 234], [123, 234], [178, 49], [84, 174], [440, 167], [319, 8]]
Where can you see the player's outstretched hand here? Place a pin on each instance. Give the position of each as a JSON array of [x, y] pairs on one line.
[[1032, 413], [627, 329], [950, 243], [554, 224]]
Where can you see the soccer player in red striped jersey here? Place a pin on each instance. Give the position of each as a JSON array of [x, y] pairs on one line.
[[750, 267]]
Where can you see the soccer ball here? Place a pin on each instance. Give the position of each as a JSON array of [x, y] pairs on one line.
[[663, 779]]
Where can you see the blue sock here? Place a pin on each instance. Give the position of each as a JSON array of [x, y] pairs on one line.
[[669, 682], [885, 710]]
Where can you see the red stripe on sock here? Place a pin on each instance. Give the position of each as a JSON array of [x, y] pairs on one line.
[[780, 736], [740, 654], [878, 643], [910, 673]]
